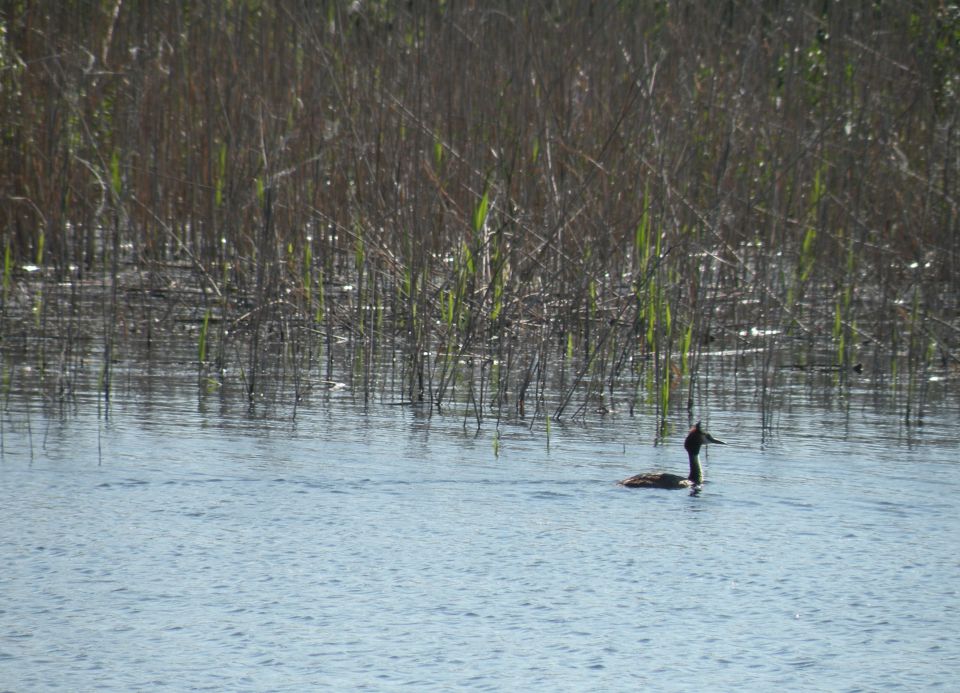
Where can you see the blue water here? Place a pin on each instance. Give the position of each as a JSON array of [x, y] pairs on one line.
[[174, 548]]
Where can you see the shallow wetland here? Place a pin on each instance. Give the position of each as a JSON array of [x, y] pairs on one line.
[[327, 329]]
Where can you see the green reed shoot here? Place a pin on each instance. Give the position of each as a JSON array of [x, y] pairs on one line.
[[641, 245], [447, 306], [359, 250], [496, 260], [651, 317], [663, 400], [480, 213], [308, 273], [116, 179], [41, 243], [221, 174], [202, 345]]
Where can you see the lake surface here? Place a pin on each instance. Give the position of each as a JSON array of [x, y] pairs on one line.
[[180, 545]]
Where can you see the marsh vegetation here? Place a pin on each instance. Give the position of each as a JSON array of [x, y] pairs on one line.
[[539, 210]]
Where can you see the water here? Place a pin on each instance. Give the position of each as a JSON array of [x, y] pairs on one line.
[[177, 548]]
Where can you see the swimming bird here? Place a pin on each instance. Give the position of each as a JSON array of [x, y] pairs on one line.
[[696, 439]]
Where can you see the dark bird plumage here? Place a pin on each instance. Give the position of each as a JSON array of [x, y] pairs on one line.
[[695, 440]]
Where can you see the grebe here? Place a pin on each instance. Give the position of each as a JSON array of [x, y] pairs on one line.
[[696, 439]]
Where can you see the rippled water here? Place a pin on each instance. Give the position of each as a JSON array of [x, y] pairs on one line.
[[170, 548]]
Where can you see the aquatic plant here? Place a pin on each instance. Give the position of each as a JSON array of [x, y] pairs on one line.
[[527, 211]]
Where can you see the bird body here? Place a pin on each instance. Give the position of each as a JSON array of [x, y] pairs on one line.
[[657, 480], [695, 440]]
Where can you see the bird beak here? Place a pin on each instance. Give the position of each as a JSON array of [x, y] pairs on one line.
[[711, 439]]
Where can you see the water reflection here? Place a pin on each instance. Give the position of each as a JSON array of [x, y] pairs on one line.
[[365, 545]]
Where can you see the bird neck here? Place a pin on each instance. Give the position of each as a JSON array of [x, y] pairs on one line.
[[696, 471]]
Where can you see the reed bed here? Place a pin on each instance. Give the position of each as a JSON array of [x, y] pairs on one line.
[[544, 210]]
